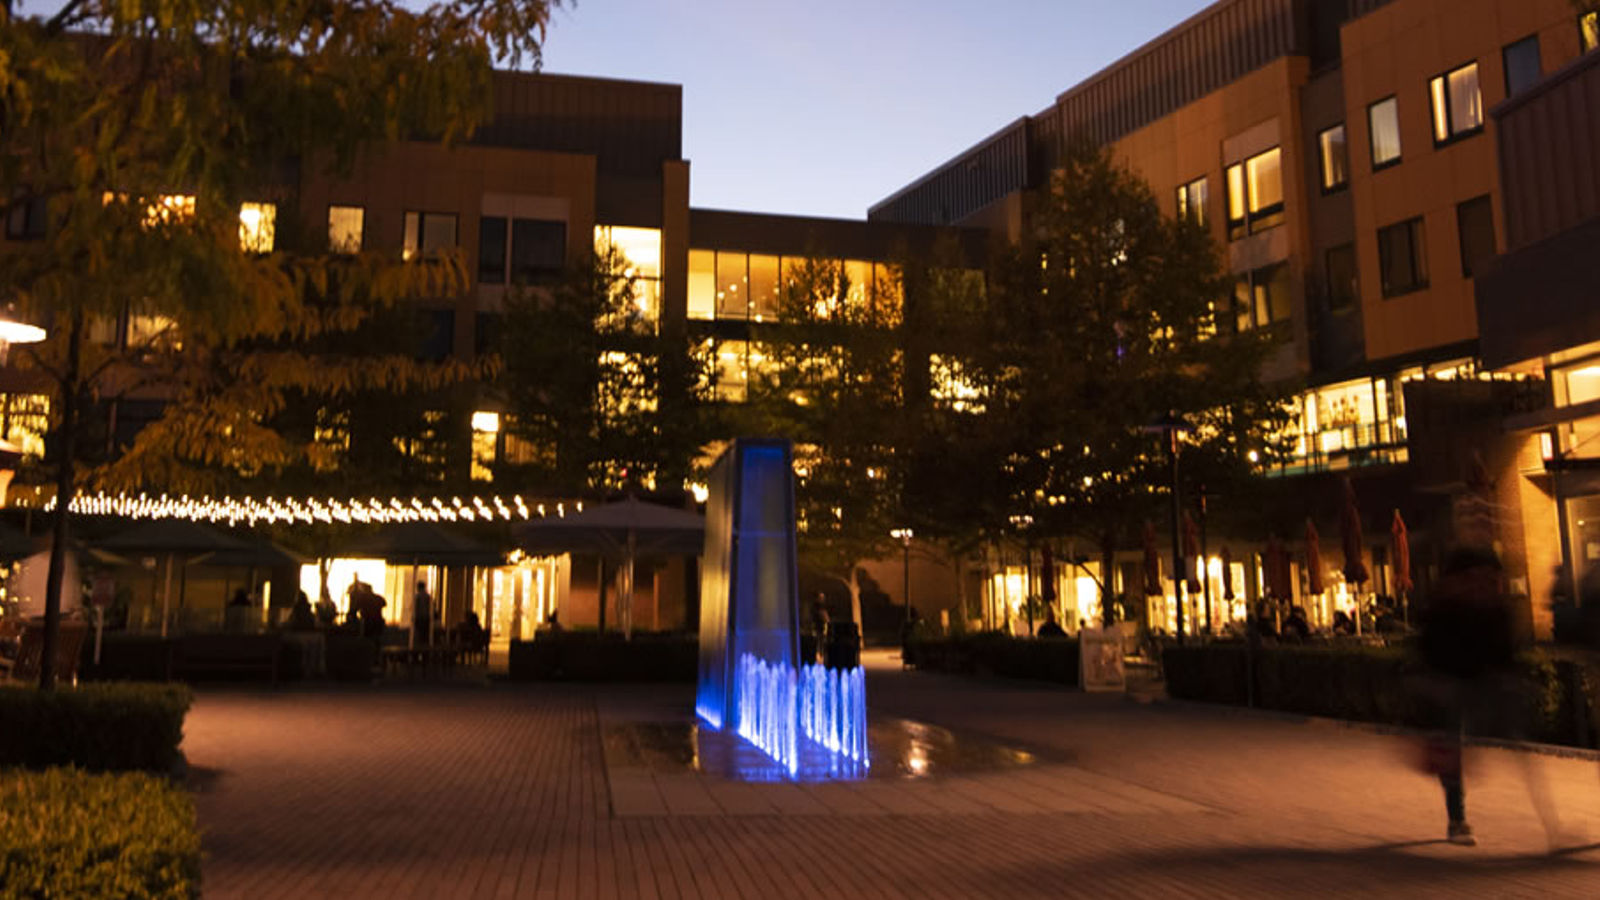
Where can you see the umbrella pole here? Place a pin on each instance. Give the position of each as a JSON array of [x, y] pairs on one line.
[[627, 617], [166, 598]]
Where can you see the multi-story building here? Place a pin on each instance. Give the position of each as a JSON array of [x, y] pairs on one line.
[[1343, 155]]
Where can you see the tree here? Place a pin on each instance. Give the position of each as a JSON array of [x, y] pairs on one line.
[[830, 377], [606, 400], [1106, 317], [135, 131]]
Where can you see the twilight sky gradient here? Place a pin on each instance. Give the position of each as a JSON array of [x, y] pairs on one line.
[[824, 108]]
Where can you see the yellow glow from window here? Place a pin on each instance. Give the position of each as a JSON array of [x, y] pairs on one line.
[[340, 574], [486, 422], [257, 227], [345, 226]]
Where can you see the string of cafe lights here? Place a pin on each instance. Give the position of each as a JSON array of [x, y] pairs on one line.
[[252, 511]]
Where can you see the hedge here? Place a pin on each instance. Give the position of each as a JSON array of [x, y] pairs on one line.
[[108, 726], [1039, 659], [70, 833], [592, 656], [1371, 684]]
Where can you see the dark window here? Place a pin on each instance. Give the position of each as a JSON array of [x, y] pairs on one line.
[[1335, 159], [440, 329], [1402, 261], [538, 249], [429, 233], [1589, 30], [1475, 221], [1255, 194], [1383, 132], [26, 219], [1192, 201], [492, 250], [1261, 299], [1457, 104], [1340, 263], [1522, 64], [486, 332]]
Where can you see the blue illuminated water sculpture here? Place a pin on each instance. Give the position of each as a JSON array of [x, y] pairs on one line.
[[810, 719]]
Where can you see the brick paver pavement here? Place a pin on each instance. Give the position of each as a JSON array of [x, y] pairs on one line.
[[505, 791]]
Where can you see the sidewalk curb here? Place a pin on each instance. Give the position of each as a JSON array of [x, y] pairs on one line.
[[1557, 750]]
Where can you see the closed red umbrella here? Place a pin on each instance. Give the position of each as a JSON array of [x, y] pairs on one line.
[[1402, 553], [1275, 565], [1191, 554], [1227, 574], [1047, 574], [1313, 559], [1152, 561], [1355, 571]]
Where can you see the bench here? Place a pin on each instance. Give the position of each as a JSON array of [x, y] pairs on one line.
[[214, 653], [30, 651]]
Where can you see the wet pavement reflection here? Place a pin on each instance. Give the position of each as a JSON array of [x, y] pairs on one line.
[[897, 748]]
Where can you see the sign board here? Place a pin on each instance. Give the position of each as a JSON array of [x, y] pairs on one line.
[[1100, 660]]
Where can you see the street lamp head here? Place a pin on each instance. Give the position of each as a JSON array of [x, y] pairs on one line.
[[903, 535]]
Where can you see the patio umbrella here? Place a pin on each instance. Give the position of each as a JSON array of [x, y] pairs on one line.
[[1355, 571], [171, 538], [1227, 574], [1191, 554], [1313, 559], [1152, 561], [1047, 590], [625, 529], [1402, 563]]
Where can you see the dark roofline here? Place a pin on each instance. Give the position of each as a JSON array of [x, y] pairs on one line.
[[936, 170], [589, 79]]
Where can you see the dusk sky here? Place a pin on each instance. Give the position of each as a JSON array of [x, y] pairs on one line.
[[824, 108]]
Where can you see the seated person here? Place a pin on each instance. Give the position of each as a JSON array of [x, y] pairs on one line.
[[1342, 623], [1051, 628], [301, 618], [1296, 627], [470, 631]]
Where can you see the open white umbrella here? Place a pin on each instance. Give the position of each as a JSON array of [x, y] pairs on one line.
[[624, 529]]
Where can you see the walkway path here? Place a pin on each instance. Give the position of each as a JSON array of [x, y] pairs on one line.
[[505, 791]]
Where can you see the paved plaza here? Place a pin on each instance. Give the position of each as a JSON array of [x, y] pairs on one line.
[[486, 790]]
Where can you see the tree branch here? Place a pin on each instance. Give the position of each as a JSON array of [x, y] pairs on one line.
[[65, 16]]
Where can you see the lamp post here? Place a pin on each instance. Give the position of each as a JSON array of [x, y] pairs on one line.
[[1169, 427], [904, 536]]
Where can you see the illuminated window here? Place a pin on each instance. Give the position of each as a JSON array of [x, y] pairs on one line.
[[1589, 30], [702, 284], [1255, 194], [1383, 132], [345, 227], [1192, 201], [485, 436], [1521, 64], [641, 247], [1457, 105], [858, 283], [1402, 261], [151, 332], [951, 385], [733, 285], [258, 227], [737, 364], [763, 285], [1335, 161], [330, 438], [25, 420], [168, 208], [427, 232]]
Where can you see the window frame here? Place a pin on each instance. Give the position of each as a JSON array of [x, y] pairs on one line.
[[1254, 221], [1322, 160], [1449, 110], [1461, 234], [422, 229], [1185, 207], [1254, 280], [361, 242], [1372, 146], [1418, 241], [1505, 63]]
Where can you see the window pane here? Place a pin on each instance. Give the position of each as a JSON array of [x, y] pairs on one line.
[[1441, 111], [1199, 199], [1266, 180], [257, 227], [1401, 261], [1335, 162], [858, 274], [1589, 30], [1341, 269], [642, 247], [1383, 118], [1183, 202], [1279, 302], [1466, 103], [492, 250], [410, 243], [764, 287], [733, 286], [438, 232], [345, 225], [1475, 219], [1236, 201], [702, 284], [538, 248], [1243, 320], [1522, 65]]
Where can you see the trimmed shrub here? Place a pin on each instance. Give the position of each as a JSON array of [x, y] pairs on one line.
[[128, 657], [1369, 684], [108, 726], [1038, 659], [69, 833], [591, 656]]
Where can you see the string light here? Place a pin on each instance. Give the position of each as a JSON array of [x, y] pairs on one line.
[[297, 510]]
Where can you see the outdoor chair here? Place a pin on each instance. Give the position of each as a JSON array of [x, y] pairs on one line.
[[30, 652]]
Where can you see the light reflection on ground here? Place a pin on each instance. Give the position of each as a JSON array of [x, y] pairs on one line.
[[897, 748]]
